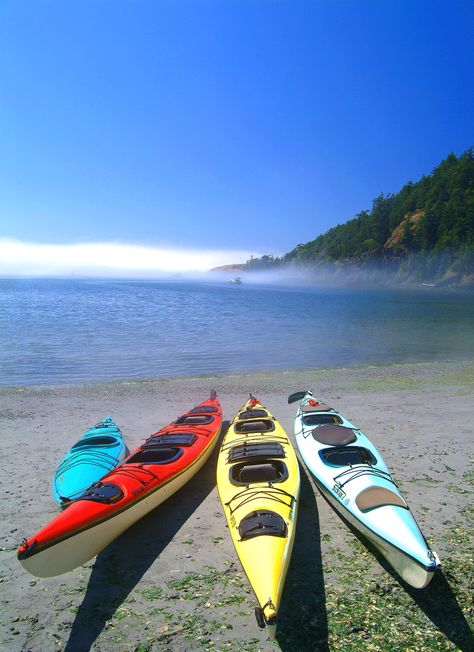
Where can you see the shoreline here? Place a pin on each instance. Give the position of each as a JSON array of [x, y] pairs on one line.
[[462, 361], [173, 581]]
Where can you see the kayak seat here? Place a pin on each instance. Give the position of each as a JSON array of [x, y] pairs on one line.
[[263, 425], [105, 440], [373, 497], [334, 435], [253, 414], [155, 455], [194, 420], [347, 456], [203, 409], [320, 407], [256, 451], [106, 492], [246, 473], [260, 523], [168, 439], [321, 419]]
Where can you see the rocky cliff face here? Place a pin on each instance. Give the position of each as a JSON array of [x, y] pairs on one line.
[[410, 222]]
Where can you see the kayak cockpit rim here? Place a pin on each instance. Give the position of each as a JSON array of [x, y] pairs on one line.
[[248, 472], [97, 440], [321, 418]]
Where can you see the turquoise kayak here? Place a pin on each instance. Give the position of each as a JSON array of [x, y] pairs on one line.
[[352, 476], [98, 452]]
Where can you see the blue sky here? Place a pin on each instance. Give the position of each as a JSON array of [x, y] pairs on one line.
[[226, 126]]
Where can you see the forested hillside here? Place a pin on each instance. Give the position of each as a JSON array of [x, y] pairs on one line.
[[425, 232]]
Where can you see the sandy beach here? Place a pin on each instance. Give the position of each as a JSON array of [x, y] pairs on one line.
[[173, 581]]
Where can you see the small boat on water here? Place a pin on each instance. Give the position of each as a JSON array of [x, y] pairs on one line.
[[352, 476], [236, 281], [258, 482], [98, 452], [146, 478]]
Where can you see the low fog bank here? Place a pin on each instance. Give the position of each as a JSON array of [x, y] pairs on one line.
[[114, 260], [109, 260], [414, 270]]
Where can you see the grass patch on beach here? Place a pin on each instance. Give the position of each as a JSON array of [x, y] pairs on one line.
[[201, 585], [387, 383], [153, 593], [367, 612], [388, 378]]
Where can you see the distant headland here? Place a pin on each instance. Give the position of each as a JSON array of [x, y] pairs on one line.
[[422, 235]]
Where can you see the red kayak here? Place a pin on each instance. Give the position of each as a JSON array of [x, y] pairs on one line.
[[147, 477]]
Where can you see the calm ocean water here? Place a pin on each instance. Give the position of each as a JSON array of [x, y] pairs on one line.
[[67, 331]]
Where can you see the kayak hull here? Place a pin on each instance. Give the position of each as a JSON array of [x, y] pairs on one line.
[[409, 569], [75, 550], [352, 476], [147, 477], [261, 513]]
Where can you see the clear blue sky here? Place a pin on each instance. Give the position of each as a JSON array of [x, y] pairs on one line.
[[243, 125]]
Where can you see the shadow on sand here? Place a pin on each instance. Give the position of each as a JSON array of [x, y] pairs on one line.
[[437, 600], [303, 619], [119, 568]]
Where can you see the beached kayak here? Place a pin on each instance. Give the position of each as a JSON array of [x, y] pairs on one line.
[[98, 452], [353, 477], [147, 477], [258, 482]]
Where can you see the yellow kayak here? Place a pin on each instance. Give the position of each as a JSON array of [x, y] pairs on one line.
[[258, 481]]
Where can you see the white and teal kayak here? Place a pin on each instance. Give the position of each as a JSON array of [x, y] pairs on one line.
[[352, 476]]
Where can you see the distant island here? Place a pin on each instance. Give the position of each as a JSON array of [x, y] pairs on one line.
[[422, 235]]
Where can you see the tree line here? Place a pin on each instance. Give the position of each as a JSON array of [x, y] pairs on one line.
[[434, 216]]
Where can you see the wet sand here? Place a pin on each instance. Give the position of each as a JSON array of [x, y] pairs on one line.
[[173, 581]]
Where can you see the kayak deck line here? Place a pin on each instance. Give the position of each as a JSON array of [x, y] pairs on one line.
[[272, 493], [358, 470]]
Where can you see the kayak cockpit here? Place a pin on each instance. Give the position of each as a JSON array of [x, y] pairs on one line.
[[347, 456], [321, 419], [245, 473], [102, 441], [155, 455]]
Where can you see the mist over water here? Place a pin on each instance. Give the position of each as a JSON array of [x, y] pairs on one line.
[[65, 331]]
